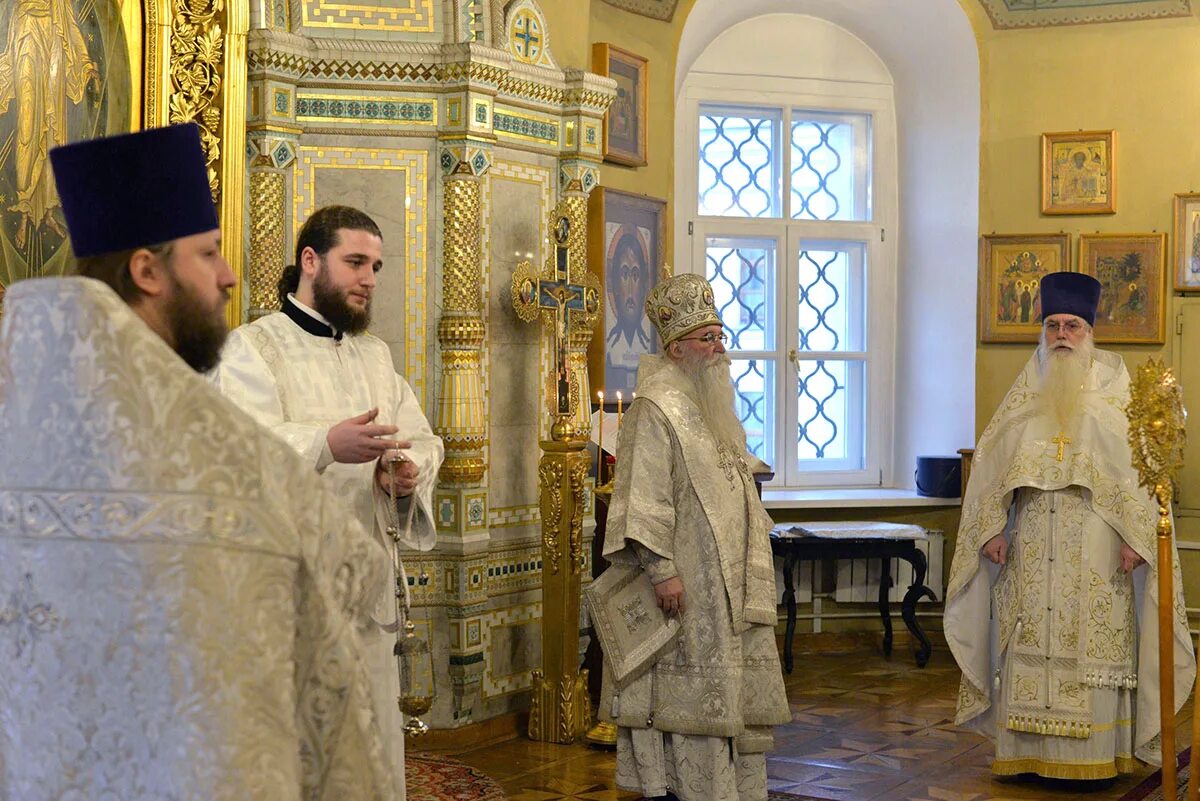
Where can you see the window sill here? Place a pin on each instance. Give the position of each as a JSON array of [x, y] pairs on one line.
[[828, 498]]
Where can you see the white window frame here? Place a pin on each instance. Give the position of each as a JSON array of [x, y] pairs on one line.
[[877, 235]]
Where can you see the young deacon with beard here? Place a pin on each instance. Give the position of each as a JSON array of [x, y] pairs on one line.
[[1054, 530], [187, 596], [695, 726], [313, 375]]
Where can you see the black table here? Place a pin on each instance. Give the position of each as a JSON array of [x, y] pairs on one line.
[[798, 548]]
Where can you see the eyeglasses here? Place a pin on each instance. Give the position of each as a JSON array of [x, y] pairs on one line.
[[1070, 326], [708, 339]]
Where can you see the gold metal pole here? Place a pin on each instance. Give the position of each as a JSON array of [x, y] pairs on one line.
[[1166, 642], [1156, 439]]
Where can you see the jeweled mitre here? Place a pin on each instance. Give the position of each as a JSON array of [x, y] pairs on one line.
[[680, 305]]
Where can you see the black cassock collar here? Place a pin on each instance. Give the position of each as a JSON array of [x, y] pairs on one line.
[[307, 322]]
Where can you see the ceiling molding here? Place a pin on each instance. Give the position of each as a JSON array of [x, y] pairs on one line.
[[1046, 13], [655, 9]]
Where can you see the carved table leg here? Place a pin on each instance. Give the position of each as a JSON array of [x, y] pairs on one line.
[[885, 612], [908, 608], [789, 599]]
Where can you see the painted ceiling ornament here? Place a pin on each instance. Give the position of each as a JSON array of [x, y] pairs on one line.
[[655, 9], [1039, 14]]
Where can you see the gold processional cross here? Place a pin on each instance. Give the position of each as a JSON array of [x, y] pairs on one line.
[[1062, 440], [562, 300], [567, 297]]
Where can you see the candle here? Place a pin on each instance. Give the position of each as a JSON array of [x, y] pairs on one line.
[[618, 411], [600, 442]]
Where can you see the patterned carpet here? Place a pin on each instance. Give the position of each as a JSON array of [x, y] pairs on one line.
[[1151, 788], [438, 778]]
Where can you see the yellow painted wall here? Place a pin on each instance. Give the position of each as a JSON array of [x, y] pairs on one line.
[[568, 23], [1137, 78], [574, 27], [656, 40]]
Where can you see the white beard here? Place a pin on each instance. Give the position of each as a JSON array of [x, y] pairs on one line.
[[715, 397], [1063, 373]]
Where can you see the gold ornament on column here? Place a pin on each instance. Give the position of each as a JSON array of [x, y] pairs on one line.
[[267, 248], [204, 81]]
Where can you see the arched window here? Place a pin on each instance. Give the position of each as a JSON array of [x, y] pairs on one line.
[[790, 197], [894, 89]]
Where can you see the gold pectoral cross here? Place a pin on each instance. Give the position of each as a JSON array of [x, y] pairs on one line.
[[1061, 441]]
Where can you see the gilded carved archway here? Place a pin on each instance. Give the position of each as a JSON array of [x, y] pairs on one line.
[[78, 69], [195, 70]]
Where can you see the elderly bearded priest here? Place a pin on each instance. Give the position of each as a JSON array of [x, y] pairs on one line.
[[1054, 528], [685, 509], [181, 600]]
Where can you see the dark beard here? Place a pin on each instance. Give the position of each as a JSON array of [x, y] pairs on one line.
[[198, 333], [330, 303]]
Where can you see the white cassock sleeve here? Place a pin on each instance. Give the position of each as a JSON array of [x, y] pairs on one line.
[[244, 377], [426, 452]]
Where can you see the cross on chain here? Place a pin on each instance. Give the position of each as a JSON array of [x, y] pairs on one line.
[[554, 294]]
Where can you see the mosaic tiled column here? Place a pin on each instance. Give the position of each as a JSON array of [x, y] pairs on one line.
[[268, 248], [460, 422], [270, 151], [460, 497]]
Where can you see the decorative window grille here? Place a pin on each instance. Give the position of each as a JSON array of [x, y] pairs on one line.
[[788, 241], [742, 273], [830, 170], [740, 168]]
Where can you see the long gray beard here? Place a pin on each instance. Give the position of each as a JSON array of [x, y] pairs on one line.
[[715, 397], [1063, 374]]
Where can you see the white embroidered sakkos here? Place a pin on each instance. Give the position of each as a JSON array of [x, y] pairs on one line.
[[1068, 681], [179, 597], [700, 719]]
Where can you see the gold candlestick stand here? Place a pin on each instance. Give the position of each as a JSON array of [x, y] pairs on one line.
[[567, 297], [1156, 437], [603, 734]]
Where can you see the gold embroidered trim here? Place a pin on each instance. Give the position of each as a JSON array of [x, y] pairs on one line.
[[1065, 770]]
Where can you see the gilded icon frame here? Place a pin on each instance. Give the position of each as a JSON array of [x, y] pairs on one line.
[[631, 72], [1185, 267], [1010, 270], [1079, 172], [614, 219], [1129, 314]]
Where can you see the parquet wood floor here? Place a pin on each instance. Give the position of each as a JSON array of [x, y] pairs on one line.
[[864, 728]]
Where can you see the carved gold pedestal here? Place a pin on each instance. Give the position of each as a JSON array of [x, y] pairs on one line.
[[561, 710], [603, 734]]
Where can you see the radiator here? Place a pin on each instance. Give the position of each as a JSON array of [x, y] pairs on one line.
[[858, 579], [803, 578]]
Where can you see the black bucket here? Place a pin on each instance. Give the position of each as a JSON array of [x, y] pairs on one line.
[[939, 476]]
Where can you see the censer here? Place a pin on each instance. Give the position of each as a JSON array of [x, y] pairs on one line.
[[414, 659]]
